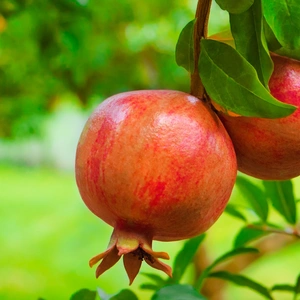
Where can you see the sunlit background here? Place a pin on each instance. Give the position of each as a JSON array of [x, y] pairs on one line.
[[58, 60]]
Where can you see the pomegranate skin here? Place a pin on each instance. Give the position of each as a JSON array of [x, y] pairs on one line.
[[269, 149], [158, 162]]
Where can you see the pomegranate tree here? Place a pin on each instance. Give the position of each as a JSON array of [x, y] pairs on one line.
[[270, 148], [155, 165]]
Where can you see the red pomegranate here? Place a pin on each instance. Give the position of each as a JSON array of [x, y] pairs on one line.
[[270, 148], [153, 165]]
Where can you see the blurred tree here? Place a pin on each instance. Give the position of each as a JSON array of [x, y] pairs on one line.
[[90, 48]]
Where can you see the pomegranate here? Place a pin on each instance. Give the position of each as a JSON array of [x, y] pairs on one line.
[[153, 165], [270, 148]]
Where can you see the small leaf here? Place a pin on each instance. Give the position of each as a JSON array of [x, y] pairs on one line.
[[284, 19], [149, 286], [235, 7], [254, 196], [219, 260], [184, 53], [185, 256], [243, 281], [84, 294], [160, 282], [156, 278], [272, 42], [232, 82], [283, 287], [230, 254], [250, 41], [247, 235], [282, 198], [177, 292], [231, 210], [124, 295], [297, 287]]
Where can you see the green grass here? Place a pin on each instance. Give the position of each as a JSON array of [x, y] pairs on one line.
[[47, 237]]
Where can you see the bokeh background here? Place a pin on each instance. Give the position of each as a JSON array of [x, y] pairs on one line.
[[58, 60]]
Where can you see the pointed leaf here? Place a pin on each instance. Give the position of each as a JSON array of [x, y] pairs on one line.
[[184, 53], [282, 198], [84, 294], [243, 281], [185, 256], [297, 287], [230, 254], [156, 278], [219, 260], [272, 41], [247, 235], [232, 82], [250, 41], [149, 286], [283, 287], [177, 292], [283, 16], [124, 295], [233, 211], [254, 196], [235, 7]]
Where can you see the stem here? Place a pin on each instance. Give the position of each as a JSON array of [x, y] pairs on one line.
[[200, 31], [286, 231]]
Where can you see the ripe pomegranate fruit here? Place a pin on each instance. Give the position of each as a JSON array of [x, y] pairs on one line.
[[153, 165], [270, 148]]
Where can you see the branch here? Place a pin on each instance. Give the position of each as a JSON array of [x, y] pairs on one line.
[[200, 31]]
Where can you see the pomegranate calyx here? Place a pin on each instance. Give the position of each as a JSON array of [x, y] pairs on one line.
[[135, 248]]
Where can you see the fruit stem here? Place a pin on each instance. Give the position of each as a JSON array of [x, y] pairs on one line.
[[200, 31]]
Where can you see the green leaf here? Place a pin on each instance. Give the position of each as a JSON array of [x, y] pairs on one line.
[[184, 53], [243, 281], [283, 16], [235, 7], [295, 54], [122, 295], [247, 235], [232, 82], [297, 287], [230, 254], [185, 256], [219, 260], [231, 210], [250, 41], [254, 196], [149, 286], [283, 287], [272, 41], [177, 292], [159, 281], [282, 198], [84, 294]]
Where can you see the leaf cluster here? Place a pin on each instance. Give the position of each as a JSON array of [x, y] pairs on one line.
[[236, 71]]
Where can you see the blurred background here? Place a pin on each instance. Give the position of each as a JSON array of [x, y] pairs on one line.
[[58, 60]]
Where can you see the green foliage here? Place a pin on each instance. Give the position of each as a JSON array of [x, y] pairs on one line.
[[84, 294], [231, 81], [243, 281], [177, 292], [250, 41], [49, 48], [284, 19], [235, 7], [184, 53], [282, 197]]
